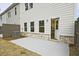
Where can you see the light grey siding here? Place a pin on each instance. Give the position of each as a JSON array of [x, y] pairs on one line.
[[46, 11], [13, 19]]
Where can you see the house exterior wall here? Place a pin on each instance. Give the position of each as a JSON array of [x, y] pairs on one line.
[[45, 12], [14, 19], [4, 18]]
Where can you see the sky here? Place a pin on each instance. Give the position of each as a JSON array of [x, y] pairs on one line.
[[3, 6]]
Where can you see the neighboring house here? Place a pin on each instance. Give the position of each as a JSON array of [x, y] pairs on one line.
[[50, 21]]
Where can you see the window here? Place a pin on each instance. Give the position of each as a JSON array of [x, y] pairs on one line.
[[56, 24], [41, 26], [15, 11], [25, 26], [31, 5], [26, 6], [9, 14], [0, 18], [32, 26]]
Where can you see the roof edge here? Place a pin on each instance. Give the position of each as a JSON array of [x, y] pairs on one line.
[[10, 7]]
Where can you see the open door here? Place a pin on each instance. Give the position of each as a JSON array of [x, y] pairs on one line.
[[52, 29], [54, 26]]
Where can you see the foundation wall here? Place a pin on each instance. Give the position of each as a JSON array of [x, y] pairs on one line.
[[67, 39], [37, 35]]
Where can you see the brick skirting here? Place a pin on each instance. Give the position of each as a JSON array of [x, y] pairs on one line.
[[67, 39], [38, 35]]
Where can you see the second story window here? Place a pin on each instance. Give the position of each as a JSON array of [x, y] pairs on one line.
[[9, 14], [31, 5], [26, 6], [15, 11]]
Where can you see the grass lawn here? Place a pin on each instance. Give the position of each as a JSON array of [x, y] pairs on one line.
[[74, 51], [9, 49]]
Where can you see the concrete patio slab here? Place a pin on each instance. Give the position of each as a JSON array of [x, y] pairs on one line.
[[43, 47]]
